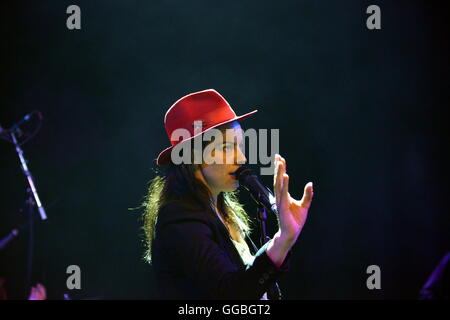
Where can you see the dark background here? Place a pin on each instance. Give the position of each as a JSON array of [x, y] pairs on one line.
[[363, 114]]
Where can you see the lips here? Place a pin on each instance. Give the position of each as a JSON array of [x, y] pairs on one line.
[[233, 174]]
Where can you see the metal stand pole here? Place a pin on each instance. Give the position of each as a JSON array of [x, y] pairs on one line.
[[32, 201], [273, 293], [30, 255], [262, 217], [30, 180]]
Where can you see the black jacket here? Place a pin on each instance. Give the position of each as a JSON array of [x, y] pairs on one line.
[[194, 258]]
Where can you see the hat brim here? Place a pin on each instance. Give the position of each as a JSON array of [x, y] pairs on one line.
[[164, 156]]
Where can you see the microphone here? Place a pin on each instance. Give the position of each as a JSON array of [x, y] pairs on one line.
[[261, 194], [24, 119]]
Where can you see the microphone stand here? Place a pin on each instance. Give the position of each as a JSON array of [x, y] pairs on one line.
[[262, 198], [32, 202], [23, 165], [262, 217], [30, 255], [273, 293]]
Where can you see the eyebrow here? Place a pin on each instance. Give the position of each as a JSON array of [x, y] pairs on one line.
[[232, 143]]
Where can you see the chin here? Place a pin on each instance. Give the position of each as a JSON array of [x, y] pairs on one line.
[[234, 187]]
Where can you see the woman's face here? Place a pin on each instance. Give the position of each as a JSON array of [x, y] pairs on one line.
[[222, 158]]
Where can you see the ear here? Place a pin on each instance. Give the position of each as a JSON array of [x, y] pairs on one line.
[[198, 172]]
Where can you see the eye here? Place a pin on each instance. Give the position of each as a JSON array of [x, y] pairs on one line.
[[227, 147]]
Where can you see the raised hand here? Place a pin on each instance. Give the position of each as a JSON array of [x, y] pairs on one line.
[[292, 212]]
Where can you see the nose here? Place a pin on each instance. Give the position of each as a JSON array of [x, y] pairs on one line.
[[240, 157]]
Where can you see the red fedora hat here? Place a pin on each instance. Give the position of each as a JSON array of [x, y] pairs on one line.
[[207, 106]]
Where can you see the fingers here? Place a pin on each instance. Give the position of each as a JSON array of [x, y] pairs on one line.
[[283, 161], [279, 184], [280, 169], [275, 175], [32, 295], [40, 288], [285, 191], [42, 292], [276, 179]]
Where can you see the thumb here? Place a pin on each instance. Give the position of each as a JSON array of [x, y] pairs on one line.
[[308, 194]]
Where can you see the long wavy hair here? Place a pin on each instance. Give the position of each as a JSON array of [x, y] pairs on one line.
[[178, 184]]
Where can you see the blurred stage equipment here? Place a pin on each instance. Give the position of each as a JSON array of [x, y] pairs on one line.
[[8, 238], [437, 286], [12, 135]]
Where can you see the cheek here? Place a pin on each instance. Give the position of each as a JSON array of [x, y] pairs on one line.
[[215, 174], [210, 174], [217, 156]]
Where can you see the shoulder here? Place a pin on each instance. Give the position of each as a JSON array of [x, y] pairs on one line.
[[178, 213], [178, 226]]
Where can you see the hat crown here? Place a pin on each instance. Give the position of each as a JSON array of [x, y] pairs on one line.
[[207, 106]]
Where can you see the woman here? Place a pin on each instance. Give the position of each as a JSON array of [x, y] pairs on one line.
[[195, 228]]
